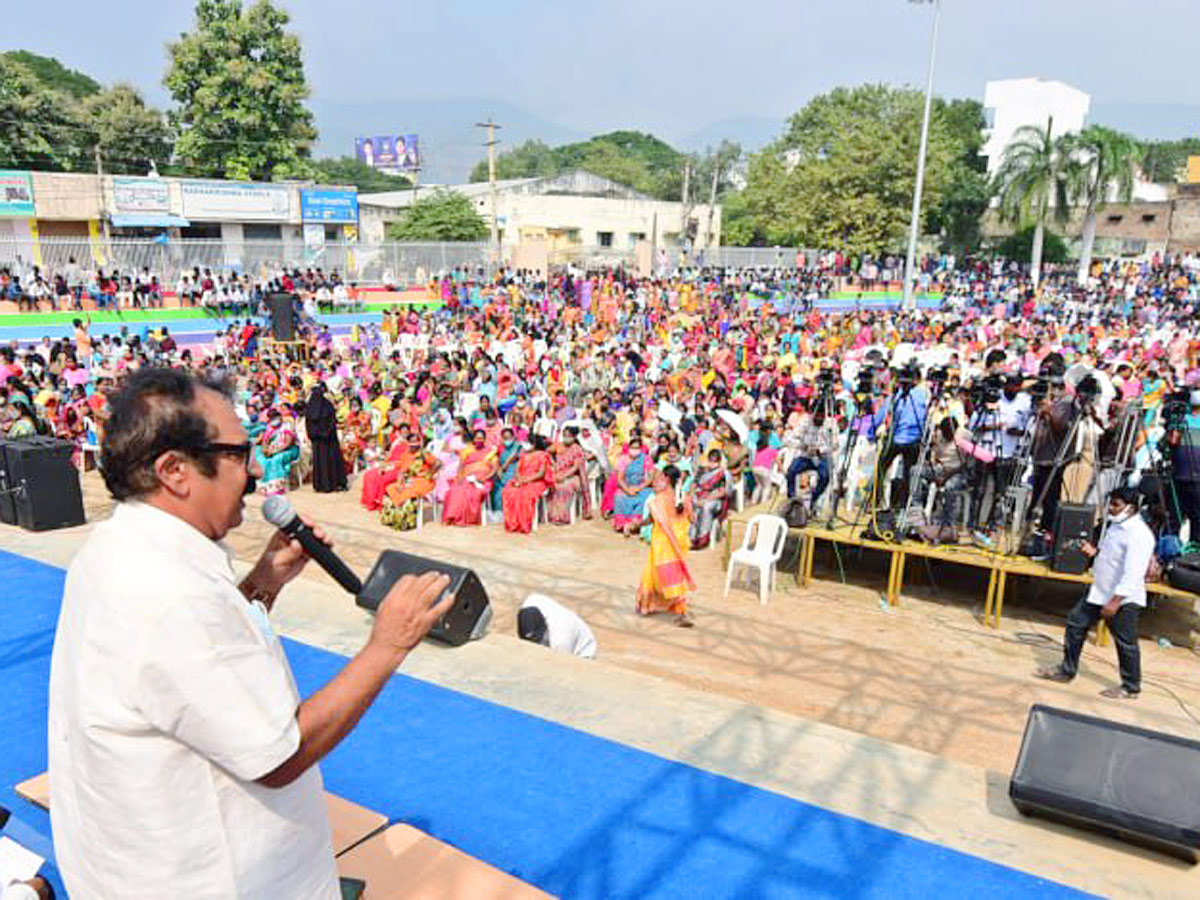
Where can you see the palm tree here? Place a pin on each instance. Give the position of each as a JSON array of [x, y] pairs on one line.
[[1101, 170], [1033, 172]]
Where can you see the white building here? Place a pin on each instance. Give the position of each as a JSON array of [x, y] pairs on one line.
[[574, 216], [1016, 102]]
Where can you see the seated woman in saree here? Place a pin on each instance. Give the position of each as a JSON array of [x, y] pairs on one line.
[[535, 476], [570, 480], [277, 451], [472, 485], [508, 458], [376, 480], [357, 435], [666, 580], [633, 488], [402, 505], [710, 498]]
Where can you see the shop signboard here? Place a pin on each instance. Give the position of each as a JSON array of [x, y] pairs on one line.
[[235, 201]]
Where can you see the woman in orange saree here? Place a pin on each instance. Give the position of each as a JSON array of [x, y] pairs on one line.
[[535, 476], [402, 506], [376, 480], [666, 580], [465, 496]]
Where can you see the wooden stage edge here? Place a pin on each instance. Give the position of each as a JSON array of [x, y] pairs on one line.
[[998, 565]]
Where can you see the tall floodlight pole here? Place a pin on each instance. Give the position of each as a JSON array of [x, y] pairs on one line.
[[491, 145], [910, 266]]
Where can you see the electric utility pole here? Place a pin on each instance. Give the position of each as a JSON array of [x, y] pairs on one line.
[[491, 145]]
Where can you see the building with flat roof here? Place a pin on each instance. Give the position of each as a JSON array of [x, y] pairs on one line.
[[573, 217], [1013, 103]]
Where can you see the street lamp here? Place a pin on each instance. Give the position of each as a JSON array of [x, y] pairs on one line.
[[910, 266]]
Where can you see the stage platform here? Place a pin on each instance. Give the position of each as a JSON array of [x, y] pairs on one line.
[[574, 814], [998, 566]]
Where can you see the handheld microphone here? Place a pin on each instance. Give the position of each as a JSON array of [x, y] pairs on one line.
[[279, 513]]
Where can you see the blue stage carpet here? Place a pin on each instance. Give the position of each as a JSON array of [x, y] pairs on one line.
[[577, 815]]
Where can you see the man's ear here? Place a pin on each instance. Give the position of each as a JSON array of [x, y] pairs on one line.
[[174, 472]]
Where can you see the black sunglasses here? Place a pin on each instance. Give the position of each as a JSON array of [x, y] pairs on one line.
[[240, 452]]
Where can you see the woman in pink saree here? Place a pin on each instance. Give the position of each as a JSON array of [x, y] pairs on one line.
[[464, 499], [535, 476], [570, 480]]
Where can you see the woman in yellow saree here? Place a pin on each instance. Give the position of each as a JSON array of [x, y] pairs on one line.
[[666, 580]]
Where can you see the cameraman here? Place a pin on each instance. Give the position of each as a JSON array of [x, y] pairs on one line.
[[986, 427], [1183, 441], [903, 420], [815, 439], [1055, 415]]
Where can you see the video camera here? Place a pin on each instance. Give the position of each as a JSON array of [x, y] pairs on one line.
[[1175, 408]]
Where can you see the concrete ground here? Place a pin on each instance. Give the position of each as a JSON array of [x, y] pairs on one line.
[[910, 718]]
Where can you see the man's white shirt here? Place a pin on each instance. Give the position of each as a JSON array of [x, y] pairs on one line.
[[169, 697], [1122, 558]]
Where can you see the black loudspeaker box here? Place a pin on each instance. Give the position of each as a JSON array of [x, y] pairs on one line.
[[468, 618], [41, 483], [283, 316], [1134, 784], [1072, 528]]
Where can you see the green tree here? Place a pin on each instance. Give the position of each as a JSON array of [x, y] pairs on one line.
[[1102, 168], [38, 125], [1034, 172], [131, 136], [967, 194], [352, 170], [52, 74], [1019, 246], [843, 173], [1163, 162], [238, 81], [632, 158], [441, 216]]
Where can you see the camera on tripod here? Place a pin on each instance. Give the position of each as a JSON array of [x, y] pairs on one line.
[[986, 390], [907, 376], [865, 385], [1175, 408]]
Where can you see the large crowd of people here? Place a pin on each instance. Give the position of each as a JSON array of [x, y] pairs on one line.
[[659, 404]]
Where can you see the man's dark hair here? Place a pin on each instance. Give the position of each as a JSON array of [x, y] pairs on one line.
[[1127, 495], [154, 411]]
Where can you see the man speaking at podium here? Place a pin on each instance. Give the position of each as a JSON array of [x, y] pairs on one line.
[[182, 760]]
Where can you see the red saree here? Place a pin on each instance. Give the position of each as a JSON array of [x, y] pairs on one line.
[[520, 500]]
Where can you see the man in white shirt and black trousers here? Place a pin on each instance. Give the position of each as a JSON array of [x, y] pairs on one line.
[[183, 762], [1117, 594]]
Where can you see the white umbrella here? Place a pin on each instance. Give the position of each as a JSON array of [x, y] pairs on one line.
[[1078, 372], [736, 422], [669, 413]]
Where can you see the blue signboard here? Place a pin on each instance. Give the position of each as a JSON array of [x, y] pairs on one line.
[[329, 206]]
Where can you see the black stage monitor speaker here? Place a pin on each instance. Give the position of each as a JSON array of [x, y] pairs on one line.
[[1134, 784], [1072, 527], [467, 620], [39, 480], [283, 318]]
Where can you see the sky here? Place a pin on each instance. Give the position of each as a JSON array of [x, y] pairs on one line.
[[670, 67]]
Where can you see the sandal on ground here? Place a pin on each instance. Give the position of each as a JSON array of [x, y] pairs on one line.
[[685, 620], [1118, 693], [1055, 674]]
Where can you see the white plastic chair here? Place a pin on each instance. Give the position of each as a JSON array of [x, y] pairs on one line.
[[762, 546]]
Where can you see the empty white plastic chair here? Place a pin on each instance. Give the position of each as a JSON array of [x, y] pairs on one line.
[[762, 546]]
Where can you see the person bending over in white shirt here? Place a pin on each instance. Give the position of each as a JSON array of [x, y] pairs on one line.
[[1117, 593], [547, 622], [183, 761]]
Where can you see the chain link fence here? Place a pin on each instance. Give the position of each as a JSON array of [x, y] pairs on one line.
[[394, 263], [402, 264]]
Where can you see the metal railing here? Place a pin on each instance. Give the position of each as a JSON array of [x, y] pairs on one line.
[[396, 263]]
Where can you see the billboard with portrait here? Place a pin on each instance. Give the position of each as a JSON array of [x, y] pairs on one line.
[[391, 152], [16, 193]]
